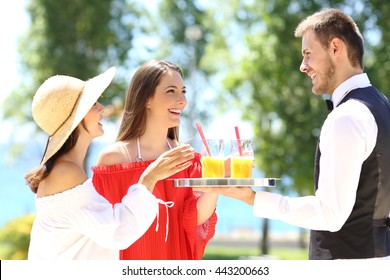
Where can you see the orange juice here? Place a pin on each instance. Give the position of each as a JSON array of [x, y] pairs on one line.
[[213, 167], [241, 167]]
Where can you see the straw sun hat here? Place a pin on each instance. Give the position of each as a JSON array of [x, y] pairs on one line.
[[62, 102]]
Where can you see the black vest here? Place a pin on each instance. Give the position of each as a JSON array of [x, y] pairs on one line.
[[366, 232]]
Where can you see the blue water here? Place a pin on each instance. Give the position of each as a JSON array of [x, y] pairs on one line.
[[16, 199]]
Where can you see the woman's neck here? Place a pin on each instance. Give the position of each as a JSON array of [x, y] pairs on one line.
[[78, 153], [154, 137], [152, 145]]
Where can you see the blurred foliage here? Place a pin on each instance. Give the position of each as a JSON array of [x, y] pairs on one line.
[[15, 238], [77, 38], [374, 18], [184, 34]]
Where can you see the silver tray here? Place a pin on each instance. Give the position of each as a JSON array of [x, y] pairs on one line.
[[224, 182]]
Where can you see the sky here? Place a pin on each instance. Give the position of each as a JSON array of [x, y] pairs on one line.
[[13, 23]]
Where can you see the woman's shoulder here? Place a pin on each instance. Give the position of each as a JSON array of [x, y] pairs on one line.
[[112, 154], [65, 175]]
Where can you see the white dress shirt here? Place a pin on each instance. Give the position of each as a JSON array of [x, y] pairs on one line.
[[80, 224], [348, 136]]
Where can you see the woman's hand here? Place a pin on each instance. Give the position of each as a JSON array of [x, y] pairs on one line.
[[166, 165]]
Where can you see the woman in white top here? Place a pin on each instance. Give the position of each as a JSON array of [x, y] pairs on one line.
[[72, 220]]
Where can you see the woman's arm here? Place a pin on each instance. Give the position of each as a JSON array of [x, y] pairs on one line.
[[206, 205]]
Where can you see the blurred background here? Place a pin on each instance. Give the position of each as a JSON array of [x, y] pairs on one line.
[[241, 66]]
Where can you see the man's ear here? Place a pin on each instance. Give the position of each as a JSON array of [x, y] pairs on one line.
[[336, 46]]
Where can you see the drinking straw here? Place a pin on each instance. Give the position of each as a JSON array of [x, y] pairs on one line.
[[238, 140], [200, 130]]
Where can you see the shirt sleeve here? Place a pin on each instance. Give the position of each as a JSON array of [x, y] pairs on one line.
[[347, 138], [118, 226]]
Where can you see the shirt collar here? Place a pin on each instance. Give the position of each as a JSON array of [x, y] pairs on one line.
[[357, 81]]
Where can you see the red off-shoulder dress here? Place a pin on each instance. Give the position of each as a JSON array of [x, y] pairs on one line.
[[173, 237]]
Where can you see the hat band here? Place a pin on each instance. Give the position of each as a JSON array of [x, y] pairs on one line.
[[47, 145]]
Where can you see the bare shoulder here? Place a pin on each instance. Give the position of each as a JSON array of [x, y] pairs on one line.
[[112, 154], [64, 176]]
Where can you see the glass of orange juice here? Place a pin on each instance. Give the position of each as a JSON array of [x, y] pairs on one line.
[[213, 162], [242, 158]]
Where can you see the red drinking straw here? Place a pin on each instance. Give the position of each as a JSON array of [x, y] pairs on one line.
[[200, 130], [238, 140]]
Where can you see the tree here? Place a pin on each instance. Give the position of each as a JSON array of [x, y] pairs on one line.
[[373, 19], [184, 37], [77, 38]]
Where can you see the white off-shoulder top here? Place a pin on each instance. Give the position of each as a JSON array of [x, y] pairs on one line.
[[81, 224]]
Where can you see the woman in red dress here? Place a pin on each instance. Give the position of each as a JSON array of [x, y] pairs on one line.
[[149, 127]]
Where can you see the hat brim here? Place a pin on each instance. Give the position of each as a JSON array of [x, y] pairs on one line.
[[92, 90]]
